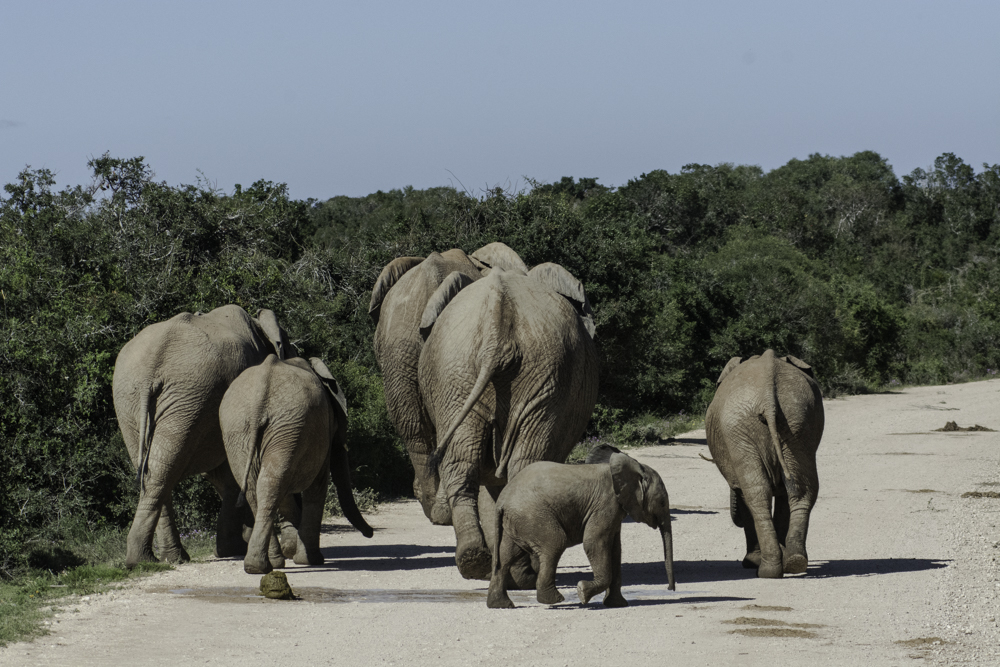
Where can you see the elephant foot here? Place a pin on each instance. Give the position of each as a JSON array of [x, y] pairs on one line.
[[289, 541], [752, 560], [583, 592], [770, 571], [615, 600], [474, 563], [499, 601], [144, 556], [796, 564], [309, 557], [230, 549], [255, 566], [549, 596], [175, 556]]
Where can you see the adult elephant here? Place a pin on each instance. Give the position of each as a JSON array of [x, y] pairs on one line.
[[284, 425], [763, 429], [168, 383], [508, 376], [397, 304]]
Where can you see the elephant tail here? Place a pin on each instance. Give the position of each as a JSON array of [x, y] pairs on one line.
[[253, 456], [497, 539], [147, 411], [485, 376], [770, 416]]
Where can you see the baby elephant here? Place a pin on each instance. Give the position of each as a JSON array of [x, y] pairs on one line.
[[284, 425], [549, 507]]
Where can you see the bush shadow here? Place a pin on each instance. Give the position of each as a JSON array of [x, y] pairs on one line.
[[387, 557]]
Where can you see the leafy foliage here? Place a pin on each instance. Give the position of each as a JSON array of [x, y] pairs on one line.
[[870, 278]]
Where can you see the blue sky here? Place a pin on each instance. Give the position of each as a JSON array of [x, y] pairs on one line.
[[348, 98]]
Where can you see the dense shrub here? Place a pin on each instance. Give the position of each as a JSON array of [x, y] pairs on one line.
[[872, 279]]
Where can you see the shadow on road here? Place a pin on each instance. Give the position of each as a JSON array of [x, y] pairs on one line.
[[868, 566], [386, 557]]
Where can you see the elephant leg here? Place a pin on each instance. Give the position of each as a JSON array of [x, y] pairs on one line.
[[614, 598], [139, 543], [599, 552], [546, 592], [168, 537], [522, 576], [497, 597], [261, 556], [289, 519], [229, 540], [800, 505], [758, 500], [743, 517], [313, 504], [461, 477]]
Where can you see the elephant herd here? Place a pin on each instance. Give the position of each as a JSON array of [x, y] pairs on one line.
[[490, 373]]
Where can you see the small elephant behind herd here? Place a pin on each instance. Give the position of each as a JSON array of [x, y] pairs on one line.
[[490, 373]]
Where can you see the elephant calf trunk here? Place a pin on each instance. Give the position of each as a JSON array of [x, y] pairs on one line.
[[668, 554]]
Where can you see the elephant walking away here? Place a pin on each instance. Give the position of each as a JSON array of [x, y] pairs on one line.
[[507, 376], [398, 300], [763, 429], [168, 383], [550, 507], [284, 424]]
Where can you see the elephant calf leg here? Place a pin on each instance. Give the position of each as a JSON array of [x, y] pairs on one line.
[[497, 597], [546, 592]]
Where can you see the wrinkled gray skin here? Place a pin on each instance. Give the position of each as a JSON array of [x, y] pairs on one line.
[[763, 428], [508, 376], [397, 304], [284, 425], [168, 383], [550, 507]]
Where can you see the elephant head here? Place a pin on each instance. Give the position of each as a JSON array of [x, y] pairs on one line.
[[498, 255], [279, 339], [641, 493], [390, 274]]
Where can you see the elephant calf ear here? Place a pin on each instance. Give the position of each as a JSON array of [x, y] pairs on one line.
[[392, 272], [446, 291], [558, 278], [601, 453], [627, 478], [733, 363], [337, 394], [801, 365]]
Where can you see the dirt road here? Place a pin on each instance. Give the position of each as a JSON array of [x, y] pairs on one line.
[[904, 571]]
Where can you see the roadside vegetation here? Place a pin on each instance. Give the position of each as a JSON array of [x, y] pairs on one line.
[[875, 280]]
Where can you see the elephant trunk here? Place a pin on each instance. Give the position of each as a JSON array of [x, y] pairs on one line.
[[668, 552], [340, 473]]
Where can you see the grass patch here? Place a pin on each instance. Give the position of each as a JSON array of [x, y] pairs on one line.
[[366, 499], [33, 597]]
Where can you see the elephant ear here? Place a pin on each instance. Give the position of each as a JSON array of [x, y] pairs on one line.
[[801, 365], [629, 479], [339, 400], [498, 255], [442, 296], [564, 282], [268, 321], [733, 363], [601, 453], [392, 272]]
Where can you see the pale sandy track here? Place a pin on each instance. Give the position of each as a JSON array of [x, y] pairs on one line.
[[896, 554]]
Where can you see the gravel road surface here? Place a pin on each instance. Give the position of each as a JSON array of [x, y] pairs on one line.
[[903, 571]]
